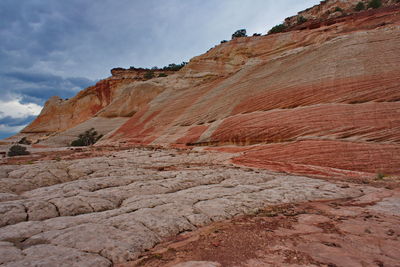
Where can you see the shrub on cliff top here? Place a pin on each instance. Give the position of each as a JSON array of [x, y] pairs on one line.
[[17, 150], [360, 6], [277, 28], [301, 20], [239, 33], [175, 67], [374, 4], [338, 9], [87, 138]]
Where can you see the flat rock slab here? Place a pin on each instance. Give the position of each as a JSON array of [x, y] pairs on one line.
[[107, 210]]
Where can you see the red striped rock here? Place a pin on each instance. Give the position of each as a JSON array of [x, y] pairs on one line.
[[323, 100]]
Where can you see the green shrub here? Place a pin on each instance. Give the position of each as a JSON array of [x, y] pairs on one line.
[[374, 4], [224, 41], [24, 141], [239, 33], [360, 6], [338, 9], [149, 75], [175, 67], [17, 150], [380, 176], [277, 28], [162, 75], [301, 19], [87, 138]]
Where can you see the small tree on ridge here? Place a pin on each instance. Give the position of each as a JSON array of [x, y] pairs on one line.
[[239, 33]]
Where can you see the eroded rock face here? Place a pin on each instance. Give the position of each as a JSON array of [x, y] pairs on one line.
[[99, 211], [327, 97], [59, 115], [330, 89], [329, 9]]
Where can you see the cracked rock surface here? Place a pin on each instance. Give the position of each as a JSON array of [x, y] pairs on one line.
[[107, 210]]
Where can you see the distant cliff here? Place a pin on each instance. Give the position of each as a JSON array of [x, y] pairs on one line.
[[61, 114]]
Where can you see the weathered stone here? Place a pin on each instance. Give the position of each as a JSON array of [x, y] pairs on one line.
[[9, 253], [8, 197], [49, 255], [118, 217], [107, 241], [198, 264], [11, 213], [41, 210]]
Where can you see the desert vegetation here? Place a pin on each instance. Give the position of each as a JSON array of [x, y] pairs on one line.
[[170, 67], [239, 33], [174, 66], [17, 150], [360, 6], [149, 74], [338, 9], [277, 29], [24, 141], [301, 20], [87, 138], [374, 4]]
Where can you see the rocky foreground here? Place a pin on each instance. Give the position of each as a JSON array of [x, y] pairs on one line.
[[110, 209]]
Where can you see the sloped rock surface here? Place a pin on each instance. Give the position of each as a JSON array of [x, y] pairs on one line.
[[331, 86], [102, 126], [333, 91], [116, 97]]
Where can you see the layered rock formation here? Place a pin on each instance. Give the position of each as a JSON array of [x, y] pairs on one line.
[[117, 98], [329, 9], [321, 99]]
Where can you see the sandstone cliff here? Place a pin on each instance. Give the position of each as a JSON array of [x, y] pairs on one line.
[[117, 98], [321, 98], [328, 10]]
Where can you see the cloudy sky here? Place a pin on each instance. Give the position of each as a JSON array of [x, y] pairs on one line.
[[58, 47]]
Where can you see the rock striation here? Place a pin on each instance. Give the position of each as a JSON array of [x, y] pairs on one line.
[[117, 98], [319, 99], [328, 10]]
